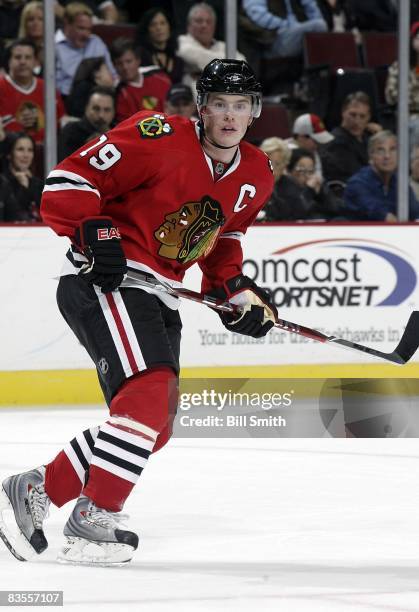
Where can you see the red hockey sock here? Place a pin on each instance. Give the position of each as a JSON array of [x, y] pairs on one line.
[[138, 413], [66, 474]]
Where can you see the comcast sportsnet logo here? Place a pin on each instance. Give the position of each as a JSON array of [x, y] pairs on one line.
[[336, 272]]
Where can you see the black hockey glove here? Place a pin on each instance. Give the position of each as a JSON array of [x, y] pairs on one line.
[[258, 312], [100, 242]]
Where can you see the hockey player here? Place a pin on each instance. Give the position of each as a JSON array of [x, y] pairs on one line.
[[155, 195]]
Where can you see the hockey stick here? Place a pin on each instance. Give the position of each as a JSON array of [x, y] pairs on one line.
[[407, 347]]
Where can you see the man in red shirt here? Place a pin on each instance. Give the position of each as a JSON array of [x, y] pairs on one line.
[[22, 94], [139, 88], [155, 195]]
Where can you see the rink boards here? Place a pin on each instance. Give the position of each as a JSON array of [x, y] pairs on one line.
[[354, 281]]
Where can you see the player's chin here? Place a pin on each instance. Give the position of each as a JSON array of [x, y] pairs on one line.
[[230, 138]]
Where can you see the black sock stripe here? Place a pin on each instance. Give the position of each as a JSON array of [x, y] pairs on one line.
[[136, 450], [89, 439], [79, 453], [127, 465], [58, 180]]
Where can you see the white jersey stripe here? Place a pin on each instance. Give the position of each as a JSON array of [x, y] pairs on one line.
[[127, 436], [114, 469], [152, 433], [114, 332], [120, 452], [85, 449], [67, 186], [129, 330], [72, 457], [233, 235]]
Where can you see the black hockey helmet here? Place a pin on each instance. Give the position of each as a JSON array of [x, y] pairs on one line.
[[229, 76]]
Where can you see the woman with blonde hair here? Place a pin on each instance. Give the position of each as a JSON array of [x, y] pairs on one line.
[[32, 27]]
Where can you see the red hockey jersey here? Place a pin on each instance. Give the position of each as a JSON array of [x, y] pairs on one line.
[[16, 102], [149, 94], [152, 176]]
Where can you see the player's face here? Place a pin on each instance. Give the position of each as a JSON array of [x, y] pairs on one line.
[[127, 66], [22, 154], [22, 62], [159, 29], [79, 31], [226, 118], [202, 26], [355, 118], [383, 158]]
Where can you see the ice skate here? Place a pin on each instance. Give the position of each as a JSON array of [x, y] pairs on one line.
[[24, 494], [94, 537]]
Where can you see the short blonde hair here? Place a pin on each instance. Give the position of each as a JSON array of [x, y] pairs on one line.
[[270, 145], [29, 8], [74, 9]]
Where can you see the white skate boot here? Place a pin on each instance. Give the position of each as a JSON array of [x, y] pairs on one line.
[[94, 537], [25, 495]]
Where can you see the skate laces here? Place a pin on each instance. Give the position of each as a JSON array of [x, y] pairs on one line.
[[39, 505], [105, 518]]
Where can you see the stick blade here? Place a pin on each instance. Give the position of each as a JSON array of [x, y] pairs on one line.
[[409, 342]]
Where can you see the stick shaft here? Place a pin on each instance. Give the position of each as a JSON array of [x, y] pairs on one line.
[[404, 351]]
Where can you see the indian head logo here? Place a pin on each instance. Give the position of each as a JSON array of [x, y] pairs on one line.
[[191, 231]]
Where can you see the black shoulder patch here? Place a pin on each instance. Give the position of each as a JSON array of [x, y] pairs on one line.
[[154, 126]]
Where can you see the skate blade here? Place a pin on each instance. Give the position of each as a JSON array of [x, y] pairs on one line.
[[79, 551], [14, 540]]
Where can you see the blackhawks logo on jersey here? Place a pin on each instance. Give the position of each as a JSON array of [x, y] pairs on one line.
[[191, 231], [154, 126]]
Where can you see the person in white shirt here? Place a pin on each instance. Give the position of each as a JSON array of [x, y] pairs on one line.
[[198, 47]]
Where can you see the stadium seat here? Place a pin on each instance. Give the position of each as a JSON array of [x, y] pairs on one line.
[[379, 49], [38, 161], [109, 31], [274, 121], [336, 50]]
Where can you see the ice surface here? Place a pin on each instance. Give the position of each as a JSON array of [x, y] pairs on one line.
[[309, 525]]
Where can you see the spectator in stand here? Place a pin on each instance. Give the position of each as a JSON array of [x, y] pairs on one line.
[[98, 117], [198, 47], [138, 88], [158, 44], [392, 84], [286, 202], [309, 132], [320, 202], [8, 205], [75, 42], [371, 194], [22, 93], [25, 188], [31, 27], [92, 72], [373, 15], [414, 171], [338, 16], [179, 101], [348, 152], [290, 21], [103, 11]]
